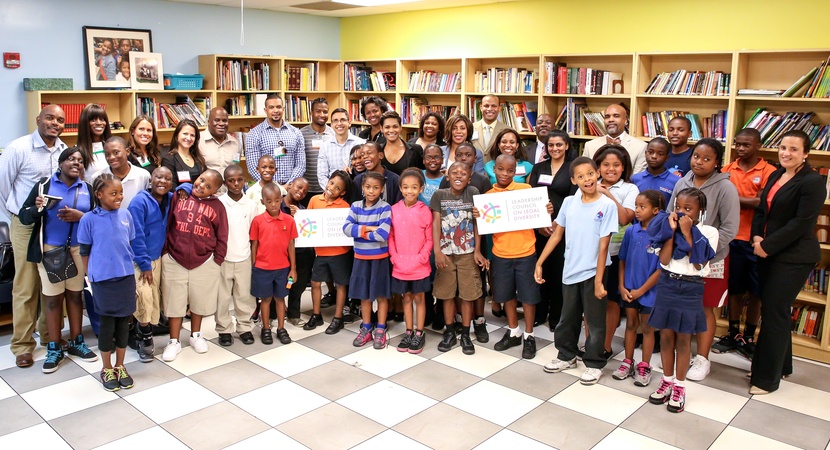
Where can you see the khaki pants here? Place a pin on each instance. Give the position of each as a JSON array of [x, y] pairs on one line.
[[25, 293], [147, 296], [197, 287], [235, 283]]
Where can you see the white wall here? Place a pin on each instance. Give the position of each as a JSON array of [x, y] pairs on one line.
[[48, 35]]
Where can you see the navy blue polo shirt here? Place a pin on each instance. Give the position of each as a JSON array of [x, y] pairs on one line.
[[639, 264], [664, 182]]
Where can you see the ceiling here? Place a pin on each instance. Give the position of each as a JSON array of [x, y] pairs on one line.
[[322, 8]]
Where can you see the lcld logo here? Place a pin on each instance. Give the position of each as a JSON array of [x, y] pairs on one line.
[[492, 213], [308, 228]]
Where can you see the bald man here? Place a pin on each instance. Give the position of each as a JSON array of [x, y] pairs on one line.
[[616, 118], [25, 161], [219, 148]]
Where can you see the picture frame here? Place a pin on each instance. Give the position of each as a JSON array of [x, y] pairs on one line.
[[147, 71], [106, 53]]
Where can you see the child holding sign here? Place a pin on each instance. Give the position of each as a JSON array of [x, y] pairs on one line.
[[514, 257]]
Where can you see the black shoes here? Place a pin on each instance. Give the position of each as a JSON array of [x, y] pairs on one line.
[[335, 325], [247, 338], [480, 330], [529, 350], [467, 346], [283, 336], [328, 300], [448, 341], [266, 336], [315, 321], [507, 341], [226, 339]]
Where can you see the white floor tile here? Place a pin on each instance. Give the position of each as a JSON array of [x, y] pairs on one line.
[[268, 439], [298, 333], [155, 435], [5, 390], [208, 327], [713, 403], [7, 359], [505, 439], [796, 397], [383, 363], [483, 363], [279, 402], [399, 403], [732, 438], [390, 439], [68, 397], [189, 362], [38, 436], [494, 402], [96, 366], [622, 439], [291, 359], [598, 401], [173, 399]]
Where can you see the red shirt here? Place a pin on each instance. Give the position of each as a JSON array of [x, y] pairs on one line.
[[198, 229], [273, 234]]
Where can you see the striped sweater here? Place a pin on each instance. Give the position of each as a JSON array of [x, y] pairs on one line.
[[371, 244]]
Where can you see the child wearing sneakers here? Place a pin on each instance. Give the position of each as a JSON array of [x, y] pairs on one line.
[[104, 235], [368, 223], [410, 245], [678, 308], [235, 281], [587, 223], [297, 190], [638, 274], [514, 258], [275, 264], [197, 241]]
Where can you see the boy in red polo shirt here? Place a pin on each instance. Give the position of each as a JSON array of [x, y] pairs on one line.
[[275, 268], [749, 174]]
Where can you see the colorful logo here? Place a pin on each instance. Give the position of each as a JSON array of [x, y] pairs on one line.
[[308, 228], [599, 216], [492, 213]]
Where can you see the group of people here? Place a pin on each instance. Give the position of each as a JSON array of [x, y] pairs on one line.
[[657, 231]]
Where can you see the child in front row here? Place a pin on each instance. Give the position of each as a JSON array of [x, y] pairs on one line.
[[638, 274], [104, 235], [266, 167], [587, 222], [368, 223], [678, 309], [410, 245], [197, 241], [275, 265], [296, 191]]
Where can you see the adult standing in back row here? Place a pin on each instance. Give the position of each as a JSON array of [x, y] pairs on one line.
[[275, 137], [488, 127], [316, 135], [219, 148], [616, 120]]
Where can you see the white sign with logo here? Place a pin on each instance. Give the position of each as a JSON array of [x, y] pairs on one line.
[[321, 228], [524, 209]]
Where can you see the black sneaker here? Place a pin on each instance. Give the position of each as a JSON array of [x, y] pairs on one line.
[[405, 343], [746, 347], [124, 379], [54, 358], [315, 321], [266, 336], [132, 336], [146, 346], [110, 380], [247, 338], [283, 336], [448, 341], [78, 349], [480, 330], [225, 339], [348, 315], [507, 341], [725, 344], [417, 344], [328, 300], [529, 350], [335, 325], [467, 346], [606, 355], [398, 317]]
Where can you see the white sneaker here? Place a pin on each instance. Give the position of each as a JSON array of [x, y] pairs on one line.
[[557, 365], [699, 369], [199, 344], [590, 376], [171, 351]]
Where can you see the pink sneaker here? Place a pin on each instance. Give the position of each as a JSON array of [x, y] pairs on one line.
[[363, 338]]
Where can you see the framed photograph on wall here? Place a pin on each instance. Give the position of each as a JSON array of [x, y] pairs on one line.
[[147, 72], [107, 55]]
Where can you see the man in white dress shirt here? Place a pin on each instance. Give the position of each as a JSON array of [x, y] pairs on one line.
[[616, 119]]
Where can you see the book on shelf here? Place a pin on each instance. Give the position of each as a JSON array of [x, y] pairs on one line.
[[432, 81], [807, 320], [360, 77], [356, 115], [521, 116], [413, 108], [713, 126], [303, 77], [297, 108], [819, 81], [683, 82], [761, 92], [246, 105], [242, 75], [72, 113], [772, 127], [576, 119], [168, 115], [512, 80], [817, 281], [561, 79]]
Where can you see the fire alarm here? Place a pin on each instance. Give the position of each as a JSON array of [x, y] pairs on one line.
[[11, 60]]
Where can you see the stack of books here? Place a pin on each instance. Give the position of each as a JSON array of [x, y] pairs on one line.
[[168, 115], [577, 120], [683, 82], [242, 75], [72, 111], [303, 77], [513, 80], [772, 126], [714, 126], [561, 79], [431, 81], [360, 77]]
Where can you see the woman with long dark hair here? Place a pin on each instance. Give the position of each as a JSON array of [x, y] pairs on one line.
[[184, 159]]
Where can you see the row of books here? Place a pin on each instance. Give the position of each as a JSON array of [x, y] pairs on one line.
[[413, 108], [808, 321], [243, 75], [683, 82], [714, 126], [304, 77], [773, 126], [817, 281], [356, 115], [297, 109], [513, 80], [561, 79], [72, 113], [168, 115], [816, 81], [360, 77], [520, 116], [576, 119], [432, 81], [246, 105]]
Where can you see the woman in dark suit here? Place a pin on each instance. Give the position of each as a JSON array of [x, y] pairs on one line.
[[552, 173], [783, 237]]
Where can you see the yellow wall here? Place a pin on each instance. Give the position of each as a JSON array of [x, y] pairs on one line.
[[562, 26]]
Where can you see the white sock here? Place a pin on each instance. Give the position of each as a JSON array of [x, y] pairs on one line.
[[195, 334], [458, 318], [480, 320], [668, 379], [680, 383], [527, 335], [174, 341], [515, 332]]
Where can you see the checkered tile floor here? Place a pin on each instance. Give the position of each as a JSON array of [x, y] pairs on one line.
[[321, 393]]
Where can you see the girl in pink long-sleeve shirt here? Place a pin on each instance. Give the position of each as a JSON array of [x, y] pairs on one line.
[[410, 245]]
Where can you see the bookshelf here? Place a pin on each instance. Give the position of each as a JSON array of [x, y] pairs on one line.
[[120, 107], [306, 80]]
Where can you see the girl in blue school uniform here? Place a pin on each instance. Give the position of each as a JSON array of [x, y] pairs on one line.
[[104, 235]]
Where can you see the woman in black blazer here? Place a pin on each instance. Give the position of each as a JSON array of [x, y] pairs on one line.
[[783, 235]]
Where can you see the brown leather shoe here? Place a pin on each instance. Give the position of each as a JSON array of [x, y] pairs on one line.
[[24, 360]]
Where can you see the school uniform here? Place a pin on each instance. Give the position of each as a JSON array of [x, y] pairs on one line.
[[663, 183], [235, 281], [137, 180], [270, 274], [150, 221]]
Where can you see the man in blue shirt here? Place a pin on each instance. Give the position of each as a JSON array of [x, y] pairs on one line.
[[279, 139]]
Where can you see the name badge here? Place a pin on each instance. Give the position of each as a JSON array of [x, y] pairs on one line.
[[236, 157], [521, 170], [145, 163], [547, 180], [279, 151], [317, 143], [184, 176]]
